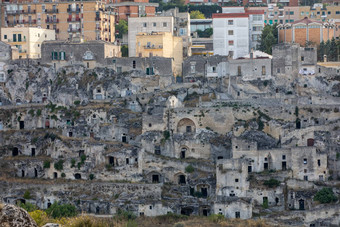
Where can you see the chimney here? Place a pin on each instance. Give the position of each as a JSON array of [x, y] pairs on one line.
[[325, 58]]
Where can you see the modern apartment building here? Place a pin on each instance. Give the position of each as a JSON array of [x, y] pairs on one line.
[[147, 25], [181, 27], [236, 31], [161, 44], [281, 15], [27, 40], [305, 30], [88, 20], [134, 8]]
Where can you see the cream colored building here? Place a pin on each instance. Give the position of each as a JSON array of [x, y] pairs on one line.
[[28, 40], [161, 44]]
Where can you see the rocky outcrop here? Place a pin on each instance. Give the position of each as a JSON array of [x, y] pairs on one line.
[[12, 216]]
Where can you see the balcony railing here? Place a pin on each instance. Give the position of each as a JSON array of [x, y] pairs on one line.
[[71, 10], [12, 12], [51, 11], [52, 20], [13, 23], [22, 51], [57, 30], [73, 19], [97, 18], [28, 11], [153, 47], [73, 30]]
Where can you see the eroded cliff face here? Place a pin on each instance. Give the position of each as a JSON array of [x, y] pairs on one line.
[[12, 216], [105, 141]]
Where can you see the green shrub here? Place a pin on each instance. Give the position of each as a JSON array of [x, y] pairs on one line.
[[59, 165], [38, 112], [63, 175], [27, 195], [31, 112], [91, 176], [271, 183], [189, 169], [125, 215], [57, 210], [216, 218], [73, 163], [29, 207], [77, 102], [166, 135], [325, 195], [47, 164], [265, 204], [82, 158]]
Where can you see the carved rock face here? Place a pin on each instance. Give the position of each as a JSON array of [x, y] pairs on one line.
[[12, 216]]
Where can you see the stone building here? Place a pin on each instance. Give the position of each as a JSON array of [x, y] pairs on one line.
[[89, 54], [291, 59], [5, 57]]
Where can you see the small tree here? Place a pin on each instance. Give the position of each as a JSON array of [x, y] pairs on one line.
[[57, 210], [196, 15], [189, 169], [121, 28], [325, 195], [272, 183]]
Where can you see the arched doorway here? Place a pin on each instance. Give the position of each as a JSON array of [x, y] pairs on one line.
[[186, 125]]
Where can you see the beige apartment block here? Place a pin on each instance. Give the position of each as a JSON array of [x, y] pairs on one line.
[[161, 44], [86, 20], [27, 40]]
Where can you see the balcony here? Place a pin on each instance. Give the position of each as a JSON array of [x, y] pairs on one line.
[[97, 19], [57, 31], [13, 12], [51, 11], [71, 10], [73, 19], [73, 30], [22, 51], [51, 21], [28, 11], [153, 47]]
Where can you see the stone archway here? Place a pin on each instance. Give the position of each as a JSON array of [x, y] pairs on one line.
[[186, 125]]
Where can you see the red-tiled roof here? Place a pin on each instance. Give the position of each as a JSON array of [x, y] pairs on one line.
[[306, 20], [229, 15], [253, 11]]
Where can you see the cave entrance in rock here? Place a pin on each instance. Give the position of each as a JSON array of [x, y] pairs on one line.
[[301, 204], [77, 176], [181, 179], [15, 151], [186, 211], [155, 178], [33, 151], [22, 124]]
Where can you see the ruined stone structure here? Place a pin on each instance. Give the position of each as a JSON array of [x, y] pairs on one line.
[[115, 136]]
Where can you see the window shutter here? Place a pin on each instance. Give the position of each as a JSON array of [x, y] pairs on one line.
[[147, 71], [59, 56], [52, 56]]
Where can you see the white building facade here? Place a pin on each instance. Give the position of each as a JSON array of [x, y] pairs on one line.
[[236, 31]]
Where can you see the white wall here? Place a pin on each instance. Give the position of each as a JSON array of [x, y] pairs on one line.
[[240, 36]]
